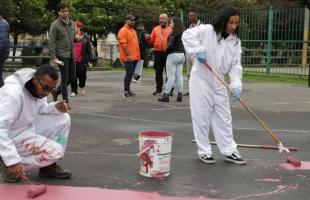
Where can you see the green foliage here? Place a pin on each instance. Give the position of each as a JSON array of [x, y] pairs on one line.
[[104, 16], [96, 15], [5, 8], [29, 16]]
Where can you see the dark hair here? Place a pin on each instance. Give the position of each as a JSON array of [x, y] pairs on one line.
[[178, 27], [62, 6], [219, 23], [46, 69]]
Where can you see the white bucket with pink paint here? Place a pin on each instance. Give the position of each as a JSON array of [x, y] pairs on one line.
[[155, 153]]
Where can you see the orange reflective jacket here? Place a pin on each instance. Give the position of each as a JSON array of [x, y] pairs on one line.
[[159, 38], [128, 39]]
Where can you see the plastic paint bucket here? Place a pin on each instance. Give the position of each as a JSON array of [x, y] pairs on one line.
[[155, 153]]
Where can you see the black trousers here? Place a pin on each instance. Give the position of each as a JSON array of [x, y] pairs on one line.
[[80, 76], [130, 69], [67, 75], [2, 60], [160, 58]]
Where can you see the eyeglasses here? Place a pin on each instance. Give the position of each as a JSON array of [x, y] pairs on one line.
[[45, 88]]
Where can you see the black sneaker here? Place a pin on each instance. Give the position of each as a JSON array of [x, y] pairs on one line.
[[207, 158], [157, 92], [186, 94], [131, 93], [236, 158], [54, 171], [6, 176], [128, 94]]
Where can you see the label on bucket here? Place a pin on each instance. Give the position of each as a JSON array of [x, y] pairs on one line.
[[155, 160]]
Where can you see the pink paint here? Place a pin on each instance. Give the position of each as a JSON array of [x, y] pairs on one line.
[[19, 192], [288, 166], [269, 180], [146, 146], [265, 164], [279, 189], [155, 134]]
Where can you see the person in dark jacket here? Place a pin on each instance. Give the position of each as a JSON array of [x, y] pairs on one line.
[[4, 45], [83, 57], [175, 60], [61, 50], [143, 45]]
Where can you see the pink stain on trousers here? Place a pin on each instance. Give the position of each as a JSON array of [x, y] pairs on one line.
[[290, 167]]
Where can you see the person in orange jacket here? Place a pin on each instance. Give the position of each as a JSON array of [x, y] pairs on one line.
[[159, 40], [129, 51]]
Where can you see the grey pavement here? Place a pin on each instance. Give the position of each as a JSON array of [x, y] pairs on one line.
[[104, 141]]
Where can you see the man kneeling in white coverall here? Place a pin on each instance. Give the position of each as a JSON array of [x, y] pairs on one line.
[[33, 132]]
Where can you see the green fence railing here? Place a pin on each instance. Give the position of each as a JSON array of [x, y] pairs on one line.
[[273, 41]]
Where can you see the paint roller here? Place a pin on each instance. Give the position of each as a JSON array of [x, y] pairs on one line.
[[35, 189], [281, 148], [256, 146]]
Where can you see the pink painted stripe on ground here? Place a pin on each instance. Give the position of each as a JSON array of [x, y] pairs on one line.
[[19, 192], [304, 166]]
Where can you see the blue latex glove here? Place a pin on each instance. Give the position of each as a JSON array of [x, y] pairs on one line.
[[201, 56], [236, 94]]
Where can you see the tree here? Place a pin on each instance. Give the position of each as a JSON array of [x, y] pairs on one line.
[[96, 15], [28, 16], [52, 5], [5, 8]]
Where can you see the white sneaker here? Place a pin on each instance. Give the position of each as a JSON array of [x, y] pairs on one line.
[[136, 79], [73, 94], [82, 91]]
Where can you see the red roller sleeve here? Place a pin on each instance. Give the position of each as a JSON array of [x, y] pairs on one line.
[[293, 161], [35, 189]]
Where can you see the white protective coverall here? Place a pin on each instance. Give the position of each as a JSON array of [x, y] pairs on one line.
[[209, 100], [32, 131]]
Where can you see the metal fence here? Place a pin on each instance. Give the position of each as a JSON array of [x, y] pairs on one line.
[[273, 41]]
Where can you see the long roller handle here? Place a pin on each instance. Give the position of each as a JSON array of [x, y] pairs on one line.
[[267, 129]]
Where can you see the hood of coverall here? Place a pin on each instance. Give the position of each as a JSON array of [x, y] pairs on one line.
[[20, 77]]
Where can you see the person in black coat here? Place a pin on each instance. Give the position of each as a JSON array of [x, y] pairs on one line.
[[83, 58]]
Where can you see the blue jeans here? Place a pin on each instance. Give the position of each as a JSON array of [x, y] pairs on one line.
[[174, 68], [130, 69]]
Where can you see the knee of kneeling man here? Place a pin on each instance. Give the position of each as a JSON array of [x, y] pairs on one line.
[[66, 118], [58, 152]]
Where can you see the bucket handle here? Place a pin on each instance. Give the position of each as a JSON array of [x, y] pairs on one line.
[[145, 149]]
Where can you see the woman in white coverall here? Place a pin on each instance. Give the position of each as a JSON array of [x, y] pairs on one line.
[[218, 45], [33, 132]]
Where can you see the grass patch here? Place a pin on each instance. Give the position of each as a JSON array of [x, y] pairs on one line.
[[247, 77], [275, 78]]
